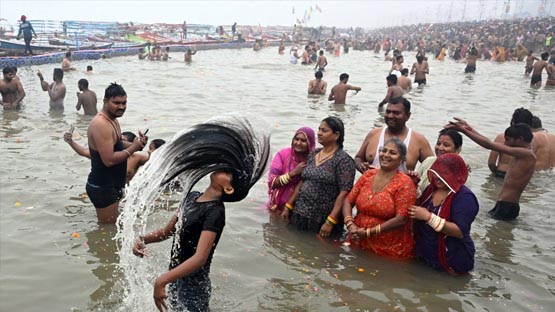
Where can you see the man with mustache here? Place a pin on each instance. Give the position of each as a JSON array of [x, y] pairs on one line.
[[109, 155], [396, 117]]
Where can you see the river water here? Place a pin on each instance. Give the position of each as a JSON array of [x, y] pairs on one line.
[[54, 256]]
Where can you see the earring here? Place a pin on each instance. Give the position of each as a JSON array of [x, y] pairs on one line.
[[229, 190]]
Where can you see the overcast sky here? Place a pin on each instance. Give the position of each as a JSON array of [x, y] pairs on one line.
[[369, 13]]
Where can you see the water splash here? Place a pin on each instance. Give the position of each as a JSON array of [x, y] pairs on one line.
[[222, 142]]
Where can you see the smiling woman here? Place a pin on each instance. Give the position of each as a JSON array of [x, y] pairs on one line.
[[287, 166], [326, 180], [382, 198]]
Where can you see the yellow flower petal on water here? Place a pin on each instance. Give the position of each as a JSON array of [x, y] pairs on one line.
[[17, 204], [361, 270], [75, 235]]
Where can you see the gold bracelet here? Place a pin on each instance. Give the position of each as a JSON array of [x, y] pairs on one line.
[[368, 232], [284, 179], [331, 219], [289, 206], [128, 154]]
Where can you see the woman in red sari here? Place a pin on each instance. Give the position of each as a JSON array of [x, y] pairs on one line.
[[382, 197]]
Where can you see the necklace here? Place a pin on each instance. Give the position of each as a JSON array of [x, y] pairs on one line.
[[432, 207], [321, 158], [376, 188]]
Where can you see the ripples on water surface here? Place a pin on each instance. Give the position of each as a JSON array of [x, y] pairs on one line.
[[261, 265]]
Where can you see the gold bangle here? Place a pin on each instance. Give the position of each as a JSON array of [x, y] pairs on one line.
[[368, 232], [379, 229], [289, 206], [128, 154], [332, 220]]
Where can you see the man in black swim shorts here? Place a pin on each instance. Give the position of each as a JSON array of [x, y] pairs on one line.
[[109, 155], [470, 69]]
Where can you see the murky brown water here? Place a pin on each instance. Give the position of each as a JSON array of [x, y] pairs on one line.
[[261, 265]]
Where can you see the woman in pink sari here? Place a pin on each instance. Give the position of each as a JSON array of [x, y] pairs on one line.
[[287, 166]]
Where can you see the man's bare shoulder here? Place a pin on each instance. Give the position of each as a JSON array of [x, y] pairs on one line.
[[500, 138], [373, 132], [99, 122], [419, 136]]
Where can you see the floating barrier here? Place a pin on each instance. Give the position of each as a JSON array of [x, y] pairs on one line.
[[57, 57]]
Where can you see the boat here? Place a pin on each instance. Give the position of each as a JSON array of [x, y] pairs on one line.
[[93, 46], [6, 45], [129, 45], [83, 45]]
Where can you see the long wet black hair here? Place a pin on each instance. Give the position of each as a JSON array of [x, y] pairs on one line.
[[225, 143]]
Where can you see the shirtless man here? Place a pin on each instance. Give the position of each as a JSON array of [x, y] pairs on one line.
[[109, 155], [396, 117], [471, 61], [404, 81], [550, 72], [394, 92], [134, 162], [56, 90], [306, 56], [166, 54], [140, 158], [539, 66], [142, 54], [11, 89], [281, 49], [543, 145], [189, 55], [518, 140], [537, 127], [338, 93], [318, 85], [397, 65], [420, 68], [66, 63], [529, 63], [499, 163], [322, 62], [86, 98]]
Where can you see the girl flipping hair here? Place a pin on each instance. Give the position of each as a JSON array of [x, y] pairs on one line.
[[236, 157]]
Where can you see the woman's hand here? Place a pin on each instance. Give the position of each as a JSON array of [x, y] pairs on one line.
[[298, 170], [326, 229], [160, 295], [419, 213], [413, 175], [285, 214], [139, 247], [353, 232]]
